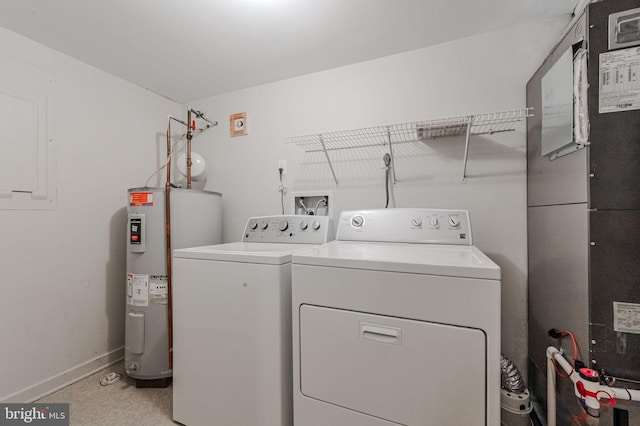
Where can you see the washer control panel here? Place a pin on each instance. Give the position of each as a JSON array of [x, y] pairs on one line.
[[293, 229], [403, 225]]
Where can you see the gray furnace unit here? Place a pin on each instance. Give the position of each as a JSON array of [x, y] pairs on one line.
[[583, 149], [196, 220]]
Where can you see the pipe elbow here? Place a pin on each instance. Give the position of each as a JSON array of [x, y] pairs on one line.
[[551, 351]]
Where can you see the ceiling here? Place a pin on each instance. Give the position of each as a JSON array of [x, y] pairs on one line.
[[192, 49]]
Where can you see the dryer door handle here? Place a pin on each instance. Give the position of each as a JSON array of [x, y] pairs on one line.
[[380, 333]]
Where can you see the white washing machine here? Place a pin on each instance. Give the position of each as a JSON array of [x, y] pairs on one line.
[[397, 322], [232, 324]]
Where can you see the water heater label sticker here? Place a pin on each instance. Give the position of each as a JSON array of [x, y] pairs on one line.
[[138, 289], [626, 317], [619, 80], [158, 289], [141, 199]]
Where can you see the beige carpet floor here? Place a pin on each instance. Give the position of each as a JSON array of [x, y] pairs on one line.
[[117, 404]]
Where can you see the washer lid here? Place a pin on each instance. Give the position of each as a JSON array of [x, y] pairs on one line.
[[267, 253], [446, 260]]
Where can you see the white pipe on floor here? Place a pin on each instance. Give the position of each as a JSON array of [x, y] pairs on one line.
[[551, 390], [627, 394]]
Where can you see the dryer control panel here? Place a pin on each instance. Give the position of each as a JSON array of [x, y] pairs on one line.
[[404, 225], [294, 229]]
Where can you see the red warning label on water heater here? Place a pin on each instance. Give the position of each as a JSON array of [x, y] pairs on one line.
[[141, 199]]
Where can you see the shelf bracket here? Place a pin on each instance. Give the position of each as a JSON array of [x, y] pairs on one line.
[[393, 168], [466, 148], [326, 154]]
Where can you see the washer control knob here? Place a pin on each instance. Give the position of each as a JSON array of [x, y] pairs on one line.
[[357, 221], [283, 225], [454, 221], [315, 225], [264, 224], [253, 224], [416, 221], [304, 225], [435, 222]]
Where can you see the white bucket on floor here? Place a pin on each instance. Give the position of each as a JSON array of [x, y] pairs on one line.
[[515, 408]]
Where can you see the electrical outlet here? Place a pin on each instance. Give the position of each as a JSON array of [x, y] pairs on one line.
[[282, 164]]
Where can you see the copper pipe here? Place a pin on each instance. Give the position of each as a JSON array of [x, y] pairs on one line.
[[189, 136], [167, 228], [169, 151]]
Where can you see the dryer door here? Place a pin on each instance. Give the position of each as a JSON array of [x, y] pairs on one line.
[[400, 370]]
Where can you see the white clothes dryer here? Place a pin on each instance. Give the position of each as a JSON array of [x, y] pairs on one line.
[[232, 324], [397, 322]]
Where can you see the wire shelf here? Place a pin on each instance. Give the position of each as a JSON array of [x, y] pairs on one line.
[[422, 131]]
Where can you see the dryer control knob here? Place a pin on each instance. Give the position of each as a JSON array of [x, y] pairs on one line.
[[315, 225], [454, 221], [434, 221], [283, 225], [357, 221], [253, 224], [304, 225], [416, 221], [264, 224]]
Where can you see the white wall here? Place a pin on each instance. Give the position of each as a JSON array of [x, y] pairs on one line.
[[485, 73], [62, 284], [63, 271]]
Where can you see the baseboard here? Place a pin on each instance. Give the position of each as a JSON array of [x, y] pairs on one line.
[[59, 381]]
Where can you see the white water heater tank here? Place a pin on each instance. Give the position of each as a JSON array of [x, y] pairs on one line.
[[196, 220]]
